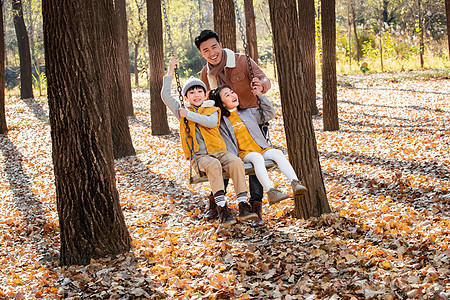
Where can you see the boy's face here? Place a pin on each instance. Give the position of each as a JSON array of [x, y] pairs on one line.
[[196, 96], [211, 50]]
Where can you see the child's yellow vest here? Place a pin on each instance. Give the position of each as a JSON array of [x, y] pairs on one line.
[[213, 140]]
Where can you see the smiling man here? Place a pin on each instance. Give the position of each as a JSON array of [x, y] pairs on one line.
[[226, 67]]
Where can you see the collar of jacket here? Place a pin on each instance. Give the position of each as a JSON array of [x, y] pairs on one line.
[[231, 59], [206, 103]]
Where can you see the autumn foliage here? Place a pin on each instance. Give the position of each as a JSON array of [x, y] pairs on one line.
[[387, 178]]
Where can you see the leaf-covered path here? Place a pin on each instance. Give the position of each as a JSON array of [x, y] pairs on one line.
[[387, 178]]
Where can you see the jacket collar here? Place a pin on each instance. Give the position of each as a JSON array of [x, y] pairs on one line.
[[231, 59]]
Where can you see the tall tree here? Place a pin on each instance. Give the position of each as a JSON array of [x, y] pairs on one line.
[[225, 22], [123, 56], [301, 141], [26, 76], [421, 43], [80, 51], [3, 126], [329, 79], [136, 31], [250, 24], [308, 43], [447, 13], [358, 47], [158, 109]]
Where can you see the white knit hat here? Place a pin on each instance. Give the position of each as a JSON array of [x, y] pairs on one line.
[[192, 81]]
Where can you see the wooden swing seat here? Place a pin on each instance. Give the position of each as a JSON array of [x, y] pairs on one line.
[[249, 170]]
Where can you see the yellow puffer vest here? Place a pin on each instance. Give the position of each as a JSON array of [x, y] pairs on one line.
[[213, 140]]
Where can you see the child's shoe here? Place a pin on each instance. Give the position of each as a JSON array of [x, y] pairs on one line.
[[245, 212], [275, 196], [257, 208], [298, 188], [225, 216], [211, 214]]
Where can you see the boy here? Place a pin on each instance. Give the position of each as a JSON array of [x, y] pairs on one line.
[[210, 149]]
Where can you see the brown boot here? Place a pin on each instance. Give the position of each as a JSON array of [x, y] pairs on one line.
[[246, 213], [257, 209], [298, 188], [211, 214], [225, 216], [275, 196]]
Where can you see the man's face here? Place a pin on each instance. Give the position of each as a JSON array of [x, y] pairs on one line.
[[211, 50]]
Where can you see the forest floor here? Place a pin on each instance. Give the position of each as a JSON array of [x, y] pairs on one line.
[[387, 177]]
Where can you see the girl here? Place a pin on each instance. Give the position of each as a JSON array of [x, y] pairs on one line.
[[243, 136]]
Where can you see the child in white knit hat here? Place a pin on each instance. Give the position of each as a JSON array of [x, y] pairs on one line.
[[209, 147]]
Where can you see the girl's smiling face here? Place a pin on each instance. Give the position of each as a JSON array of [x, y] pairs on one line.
[[229, 98]]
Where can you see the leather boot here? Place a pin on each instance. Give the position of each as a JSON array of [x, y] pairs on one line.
[[257, 209], [225, 216], [211, 214]]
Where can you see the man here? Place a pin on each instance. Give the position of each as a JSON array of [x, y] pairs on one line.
[[226, 67]]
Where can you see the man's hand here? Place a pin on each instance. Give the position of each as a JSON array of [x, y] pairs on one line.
[[257, 87]]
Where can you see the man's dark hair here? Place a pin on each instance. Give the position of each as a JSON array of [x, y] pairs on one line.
[[205, 35]]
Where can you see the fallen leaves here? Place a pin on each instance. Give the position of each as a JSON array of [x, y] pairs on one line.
[[387, 179]]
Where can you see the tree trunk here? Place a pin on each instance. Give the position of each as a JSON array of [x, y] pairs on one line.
[[136, 69], [349, 22], [26, 75], [329, 79], [447, 13], [421, 45], [252, 42], [82, 81], [301, 141], [124, 58], [3, 126], [225, 22], [158, 109], [308, 45], [358, 47]]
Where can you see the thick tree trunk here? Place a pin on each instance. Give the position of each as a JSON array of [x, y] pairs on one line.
[[136, 69], [123, 55], [82, 80], [252, 41], [329, 79], [158, 110], [421, 44], [301, 141], [26, 76], [225, 22], [447, 13], [3, 126], [308, 44]]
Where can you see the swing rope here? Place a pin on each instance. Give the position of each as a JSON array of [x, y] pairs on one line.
[[189, 138], [264, 126]]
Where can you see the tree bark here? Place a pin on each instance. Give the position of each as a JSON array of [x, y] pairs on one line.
[[329, 79], [158, 109], [358, 47], [225, 22], [301, 141], [421, 44], [136, 69], [124, 58], [447, 13], [26, 75], [79, 39], [252, 41], [308, 45], [3, 125]]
